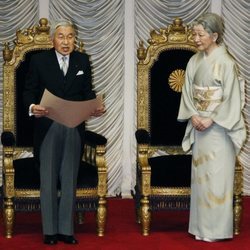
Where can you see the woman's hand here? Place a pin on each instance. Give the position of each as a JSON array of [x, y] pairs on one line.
[[201, 123], [196, 120], [206, 122]]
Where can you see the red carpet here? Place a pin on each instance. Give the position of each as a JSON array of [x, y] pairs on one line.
[[168, 232]]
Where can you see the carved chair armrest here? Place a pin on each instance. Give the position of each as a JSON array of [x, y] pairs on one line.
[[142, 136], [8, 141], [143, 140], [93, 138], [94, 154]]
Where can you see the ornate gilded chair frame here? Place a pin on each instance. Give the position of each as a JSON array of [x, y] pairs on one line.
[[175, 36], [27, 40]]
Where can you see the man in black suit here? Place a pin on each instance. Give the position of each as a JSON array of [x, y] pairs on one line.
[[67, 74]]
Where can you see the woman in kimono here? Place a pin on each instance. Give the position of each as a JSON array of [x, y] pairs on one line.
[[211, 102]]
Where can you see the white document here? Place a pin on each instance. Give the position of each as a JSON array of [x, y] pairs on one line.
[[69, 113]]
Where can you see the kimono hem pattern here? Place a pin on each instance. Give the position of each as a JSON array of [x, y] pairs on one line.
[[212, 89]]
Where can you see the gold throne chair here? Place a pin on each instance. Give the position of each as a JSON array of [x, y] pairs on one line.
[[163, 169], [21, 181]]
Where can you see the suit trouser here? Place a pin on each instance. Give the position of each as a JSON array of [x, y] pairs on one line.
[[59, 163]]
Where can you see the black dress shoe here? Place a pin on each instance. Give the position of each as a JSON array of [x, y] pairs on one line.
[[50, 239], [68, 239]]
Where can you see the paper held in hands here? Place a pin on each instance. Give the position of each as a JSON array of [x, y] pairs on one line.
[[69, 113]]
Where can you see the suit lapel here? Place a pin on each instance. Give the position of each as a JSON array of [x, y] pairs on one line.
[[55, 70], [72, 70]]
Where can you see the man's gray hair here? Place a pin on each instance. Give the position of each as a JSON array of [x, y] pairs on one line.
[[212, 23], [63, 23]]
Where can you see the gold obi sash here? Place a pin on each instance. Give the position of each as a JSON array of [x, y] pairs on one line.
[[207, 98]]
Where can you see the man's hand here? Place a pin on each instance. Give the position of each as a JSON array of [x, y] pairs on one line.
[[99, 111], [39, 111]]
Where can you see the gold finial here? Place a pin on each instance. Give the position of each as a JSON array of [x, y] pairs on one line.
[[178, 25], [141, 52], [81, 47], [43, 26], [7, 53]]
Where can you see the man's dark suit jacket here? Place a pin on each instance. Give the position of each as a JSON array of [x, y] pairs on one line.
[[44, 73]]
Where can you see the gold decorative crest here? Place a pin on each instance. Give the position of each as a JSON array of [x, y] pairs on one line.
[[176, 80]]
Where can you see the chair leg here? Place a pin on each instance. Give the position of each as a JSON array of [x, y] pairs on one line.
[[145, 216], [137, 205], [238, 183], [138, 215], [101, 216], [80, 217], [237, 213], [8, 215]]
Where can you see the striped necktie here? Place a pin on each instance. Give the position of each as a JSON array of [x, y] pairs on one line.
[[64, 65]]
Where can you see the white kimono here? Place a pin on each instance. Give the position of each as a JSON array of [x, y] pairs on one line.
[[212, 89]]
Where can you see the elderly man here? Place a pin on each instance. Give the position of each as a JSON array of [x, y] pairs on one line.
[[67, 74]]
